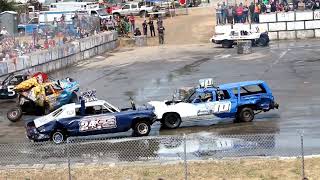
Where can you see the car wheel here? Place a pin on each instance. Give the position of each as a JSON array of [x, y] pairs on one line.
[[141, 128], [262, 41], [58, 137], [227, 44], [143, 14], [14, 114], [246, 115], [171, 121]]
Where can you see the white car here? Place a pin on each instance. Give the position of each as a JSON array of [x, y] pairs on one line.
[[230, 38], [195, 105]]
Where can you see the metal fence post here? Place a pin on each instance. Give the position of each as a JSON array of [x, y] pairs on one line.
[[302, 156], [69, 165], [185, 157]]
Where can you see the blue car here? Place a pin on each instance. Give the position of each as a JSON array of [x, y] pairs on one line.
[[90, 118], [241, 101]]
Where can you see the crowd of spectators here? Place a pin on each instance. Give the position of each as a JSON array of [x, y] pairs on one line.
[[249, 13]]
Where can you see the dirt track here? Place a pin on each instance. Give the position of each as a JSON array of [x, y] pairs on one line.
[[196, 27]]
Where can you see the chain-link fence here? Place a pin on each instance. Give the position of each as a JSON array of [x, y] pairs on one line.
[[186, 155]]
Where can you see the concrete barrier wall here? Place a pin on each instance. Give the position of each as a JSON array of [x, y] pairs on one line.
[[283, 25], [61, 56]]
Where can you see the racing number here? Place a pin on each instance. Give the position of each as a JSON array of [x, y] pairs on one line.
[[11, 91], [222, 107], [98, 123]]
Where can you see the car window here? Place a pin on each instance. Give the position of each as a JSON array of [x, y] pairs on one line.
[[126, 7], [224, 94], [16, 80], [133, 6], [57, 112], [250, 90]]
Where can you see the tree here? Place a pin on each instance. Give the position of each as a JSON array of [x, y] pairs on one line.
[[6, 5]]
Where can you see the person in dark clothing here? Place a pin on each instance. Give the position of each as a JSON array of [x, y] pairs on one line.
[[251, 10], [137, 32], [161, 30], [151, 25], [273, 6], [145, 28], [263, 8]]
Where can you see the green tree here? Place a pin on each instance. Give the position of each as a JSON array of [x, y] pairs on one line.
[[6, 5]]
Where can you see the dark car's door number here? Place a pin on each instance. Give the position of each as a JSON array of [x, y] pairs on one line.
[[97, 123]]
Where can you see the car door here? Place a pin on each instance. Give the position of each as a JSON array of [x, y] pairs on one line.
[[134, 9], [126, 9], [226, 106]]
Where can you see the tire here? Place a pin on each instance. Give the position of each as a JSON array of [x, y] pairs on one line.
[[227, 44], [141, 128], [171, 121], [143, 13], [58, 137], [14, 114], [246, 115], [262, 42]]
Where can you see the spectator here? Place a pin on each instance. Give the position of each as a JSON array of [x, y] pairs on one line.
[[161, 30], [230, 14], [251, 10], [239, 12], [55, 24], [273, 6], [224, 11], [268, 8], [256, 13], [145, 27], [219, 14], [245, 14], [301, 6], [132, 22], [263, 8], [137, 32], [151, 25]]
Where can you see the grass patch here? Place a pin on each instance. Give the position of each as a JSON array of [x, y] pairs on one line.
[[224, 169]]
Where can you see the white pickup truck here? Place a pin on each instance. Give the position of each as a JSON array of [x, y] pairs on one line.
[[134, 8], [230, 38]]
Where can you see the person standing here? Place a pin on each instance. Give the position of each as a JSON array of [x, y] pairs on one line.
[[132, 22], [219, 14], [239, 12], [151, 25], [251, 11], [161, 30], [145, 27]]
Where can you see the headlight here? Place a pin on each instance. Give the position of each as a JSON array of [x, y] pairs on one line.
[[42, 129]]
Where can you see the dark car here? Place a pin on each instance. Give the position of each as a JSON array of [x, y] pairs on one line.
[[98, 117], [7, 85]]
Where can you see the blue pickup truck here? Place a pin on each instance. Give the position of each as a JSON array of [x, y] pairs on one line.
[[241, 101]]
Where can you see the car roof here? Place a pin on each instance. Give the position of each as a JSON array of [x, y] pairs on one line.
[[88, 104], [243, 83]]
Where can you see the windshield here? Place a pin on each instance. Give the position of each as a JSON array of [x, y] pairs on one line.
[[102, 12], [187, 95]]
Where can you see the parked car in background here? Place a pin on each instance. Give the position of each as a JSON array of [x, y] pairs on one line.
[[135, 8], [231, 37]]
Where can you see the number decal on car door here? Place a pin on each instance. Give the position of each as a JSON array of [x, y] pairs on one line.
[[11, 91], [97, 123]]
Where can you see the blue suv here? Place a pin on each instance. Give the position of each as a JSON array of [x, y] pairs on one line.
[[241, 101]]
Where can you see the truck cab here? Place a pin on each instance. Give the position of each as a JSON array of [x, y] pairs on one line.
[[134, 8]]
